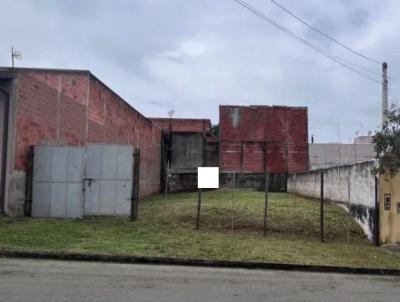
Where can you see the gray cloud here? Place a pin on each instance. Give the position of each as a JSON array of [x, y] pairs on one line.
[[194, 55]]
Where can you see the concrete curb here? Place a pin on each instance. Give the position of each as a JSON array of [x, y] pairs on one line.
[[199, 262]]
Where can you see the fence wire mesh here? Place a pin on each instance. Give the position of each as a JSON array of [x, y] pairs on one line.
[[240, 211]]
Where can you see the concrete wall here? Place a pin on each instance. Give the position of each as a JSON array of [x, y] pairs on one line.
[[330, 155], [389, 209], [211, 153], [183, 124], [187, 150], [351, 185], [243, 128], [187, 181], [59, 107]]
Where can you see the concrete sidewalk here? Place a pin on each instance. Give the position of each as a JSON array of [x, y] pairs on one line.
[[49, 280], [197, 262]]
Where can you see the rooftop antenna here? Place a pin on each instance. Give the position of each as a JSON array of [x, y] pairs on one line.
[[15, 54]]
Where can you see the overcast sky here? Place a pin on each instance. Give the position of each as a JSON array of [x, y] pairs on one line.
[[192, 55]]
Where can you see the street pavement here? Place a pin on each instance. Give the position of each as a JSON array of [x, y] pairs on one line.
[[47, 280]]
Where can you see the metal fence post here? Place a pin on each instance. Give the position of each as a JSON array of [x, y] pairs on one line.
[[198, 209], [266, 190], [349, 199], [135, 187], [29, 183], [322, 208], [233, 195]]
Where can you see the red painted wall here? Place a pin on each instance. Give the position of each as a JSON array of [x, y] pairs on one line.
[[243, 128], [75, 108], [183, 125]]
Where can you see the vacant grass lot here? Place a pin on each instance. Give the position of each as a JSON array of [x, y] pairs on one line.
[[231, 229]]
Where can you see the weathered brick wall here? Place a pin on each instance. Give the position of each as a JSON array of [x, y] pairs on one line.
[[75, 108], [50, 108], [244, 129], [183, 125], [112, 120]]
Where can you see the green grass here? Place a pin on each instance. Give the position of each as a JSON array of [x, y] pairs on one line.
[[231, 229]]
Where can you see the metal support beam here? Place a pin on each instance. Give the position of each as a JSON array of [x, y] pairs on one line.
[[266, 188], [135, 187], [322, 208], [198, 210]]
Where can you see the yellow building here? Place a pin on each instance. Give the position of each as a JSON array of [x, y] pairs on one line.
[[389, 208]]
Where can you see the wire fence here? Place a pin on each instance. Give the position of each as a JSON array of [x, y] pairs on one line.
[[281, 214], [236, 209], [347, 203]]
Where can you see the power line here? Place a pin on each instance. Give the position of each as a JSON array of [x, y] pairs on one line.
[[324, 34], [302, 40], [393, 88], [393, 81], [358, 66]]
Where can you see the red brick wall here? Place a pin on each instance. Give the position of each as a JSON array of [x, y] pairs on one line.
[[75, 108], [183, 125], [112, 120], [243, 129]]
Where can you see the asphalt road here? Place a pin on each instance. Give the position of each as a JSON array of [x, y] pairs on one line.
[[42, 280]]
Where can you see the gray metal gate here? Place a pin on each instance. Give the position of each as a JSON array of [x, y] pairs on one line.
[[76, 181], [108, 180], [57, 181]]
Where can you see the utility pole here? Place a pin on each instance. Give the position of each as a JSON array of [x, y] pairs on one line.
[[385, 103]]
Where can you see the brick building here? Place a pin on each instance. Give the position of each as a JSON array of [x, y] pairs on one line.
[[70, 107], [246, 130], [73, 107], [246, 135], [183, 124], [187, 144]]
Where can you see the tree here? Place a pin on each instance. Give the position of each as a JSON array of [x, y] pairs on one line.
[[215, 130], [387, 142]]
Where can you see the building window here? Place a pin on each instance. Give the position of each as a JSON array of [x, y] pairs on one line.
[[387, 203], [398, 208]]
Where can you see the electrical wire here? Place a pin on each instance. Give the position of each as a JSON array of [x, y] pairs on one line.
[[358, 66], [302, 40], [393, 97], [393, 81], [324, 34]]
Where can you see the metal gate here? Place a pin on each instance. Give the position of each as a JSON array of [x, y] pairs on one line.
[[57, 181], [75, 181], [108, 180]]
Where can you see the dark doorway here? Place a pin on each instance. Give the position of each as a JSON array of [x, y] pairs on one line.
[[4, 98]]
